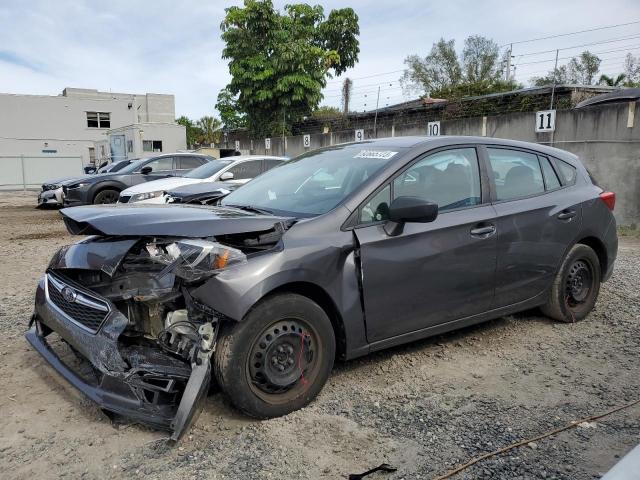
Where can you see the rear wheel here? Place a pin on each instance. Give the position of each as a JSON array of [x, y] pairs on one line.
[[106, 196], [575, 289], [278, 358]]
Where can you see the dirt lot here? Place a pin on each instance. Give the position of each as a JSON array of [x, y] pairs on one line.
[[424, 407]]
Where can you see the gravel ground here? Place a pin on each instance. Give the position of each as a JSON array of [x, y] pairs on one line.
[[424, 407]]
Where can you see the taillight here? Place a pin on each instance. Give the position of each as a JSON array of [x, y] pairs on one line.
[[609, 198]]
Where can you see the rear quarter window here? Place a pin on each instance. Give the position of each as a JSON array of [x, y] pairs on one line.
[[567, 172]]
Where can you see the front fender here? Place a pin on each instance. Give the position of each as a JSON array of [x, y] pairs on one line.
[[234, 291]]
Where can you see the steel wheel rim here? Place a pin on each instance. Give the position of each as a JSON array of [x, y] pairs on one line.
[[579, 283], [284, 360]]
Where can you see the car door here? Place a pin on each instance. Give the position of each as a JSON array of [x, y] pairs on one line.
[[245, 171], [431, 273], [537, 219], [187, 163], [160, 168]]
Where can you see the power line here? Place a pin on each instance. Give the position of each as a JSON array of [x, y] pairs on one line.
[[579, 46], [571, 33]]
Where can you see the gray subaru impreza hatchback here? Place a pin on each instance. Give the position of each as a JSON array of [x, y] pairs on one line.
[[337, 253]]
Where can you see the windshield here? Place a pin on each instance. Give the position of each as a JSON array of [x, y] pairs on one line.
[[313, 183], [208, 169]]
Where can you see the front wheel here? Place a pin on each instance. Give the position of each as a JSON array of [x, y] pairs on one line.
[[106, 196], [576, 286], [278, 358]]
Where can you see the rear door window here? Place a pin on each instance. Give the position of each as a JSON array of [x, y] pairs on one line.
[[551, 181], [449, 178], [269, 164], [244, 170], [188, 163], [516, 174]]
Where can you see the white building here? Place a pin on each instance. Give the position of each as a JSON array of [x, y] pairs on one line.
[[89, 124]]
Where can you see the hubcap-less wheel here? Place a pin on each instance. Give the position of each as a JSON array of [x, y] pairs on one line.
[[283, 360], [579, 283]]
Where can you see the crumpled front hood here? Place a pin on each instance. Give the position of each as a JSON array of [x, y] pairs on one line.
[[165, 220]]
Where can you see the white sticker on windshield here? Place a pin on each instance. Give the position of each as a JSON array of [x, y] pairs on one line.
[[386, 154], [272, 195]]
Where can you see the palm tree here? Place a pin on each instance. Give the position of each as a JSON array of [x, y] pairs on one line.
[[210, 127], [611, 82]]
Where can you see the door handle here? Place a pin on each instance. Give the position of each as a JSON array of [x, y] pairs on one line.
[[566, 214], [483, 232]]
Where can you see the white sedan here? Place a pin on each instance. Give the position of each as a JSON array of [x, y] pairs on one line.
[[238, 169]]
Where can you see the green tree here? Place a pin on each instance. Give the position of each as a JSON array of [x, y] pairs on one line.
[[580, 70], [632, 71], [211, 130], [194, 133], [230, 115], [612, 82], [479, 59], [279, 62], [442, 74]]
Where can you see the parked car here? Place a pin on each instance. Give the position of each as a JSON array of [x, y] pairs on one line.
[[205, 193], [337, 253], [235, 170], [106, 188], [51, 194]]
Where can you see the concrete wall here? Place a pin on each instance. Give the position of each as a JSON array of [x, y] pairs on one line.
[[606, 138], [30, 124]]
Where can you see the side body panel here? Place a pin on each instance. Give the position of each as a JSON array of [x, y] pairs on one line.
[[431, 273]]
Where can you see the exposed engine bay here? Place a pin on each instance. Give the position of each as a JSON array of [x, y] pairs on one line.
[[125, 305]]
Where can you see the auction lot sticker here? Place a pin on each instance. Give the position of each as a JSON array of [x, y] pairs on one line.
[[386, 154]]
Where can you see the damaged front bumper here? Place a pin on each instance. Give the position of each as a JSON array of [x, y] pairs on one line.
[[138, 381]]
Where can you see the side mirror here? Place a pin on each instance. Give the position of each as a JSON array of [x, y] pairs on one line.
[[409, 210], [226, 176], [146, 170]]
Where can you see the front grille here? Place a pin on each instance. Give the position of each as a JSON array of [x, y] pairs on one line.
[[124, 198], [87, 311]]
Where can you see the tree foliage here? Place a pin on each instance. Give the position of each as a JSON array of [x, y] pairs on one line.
[[279, 62], [580, 70], [632, 70], [443, 74], [211, 130], [193, 132], [230, 115], [611, 81], [204, 131]]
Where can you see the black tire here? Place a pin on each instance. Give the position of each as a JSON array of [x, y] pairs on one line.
[[277, 330], [576, 286], [106, 196]]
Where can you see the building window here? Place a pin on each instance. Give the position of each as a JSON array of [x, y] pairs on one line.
[[130, 146], [92, 155], [152, 145], [98, 120]]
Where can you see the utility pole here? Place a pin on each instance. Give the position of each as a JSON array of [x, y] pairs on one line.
[[508, 75], [555, 74], [375, 120]]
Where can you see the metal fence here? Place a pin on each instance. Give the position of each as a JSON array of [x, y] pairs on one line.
[[30, 171]]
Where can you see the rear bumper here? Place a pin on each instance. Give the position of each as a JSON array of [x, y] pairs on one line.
[[610, 241]]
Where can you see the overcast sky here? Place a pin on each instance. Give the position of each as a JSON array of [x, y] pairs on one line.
[[164, 46]]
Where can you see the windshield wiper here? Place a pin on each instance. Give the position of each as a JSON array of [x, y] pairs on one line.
[[249, 208]]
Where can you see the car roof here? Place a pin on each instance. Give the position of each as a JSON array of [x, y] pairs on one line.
[[252, 157], [446, 140]]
